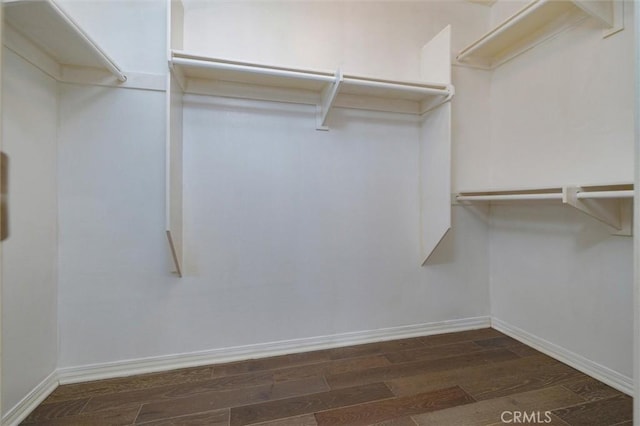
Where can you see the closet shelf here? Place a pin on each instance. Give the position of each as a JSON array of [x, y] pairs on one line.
[[509, 196], [205, 75], [212, 76], [364, 86], [535, 23], [204, 68], [606, 203], [42, 33]]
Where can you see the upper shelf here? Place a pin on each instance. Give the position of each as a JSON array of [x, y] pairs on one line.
[[44, 24], [204, 68], [535, 23], [201, 74], [605, 203]]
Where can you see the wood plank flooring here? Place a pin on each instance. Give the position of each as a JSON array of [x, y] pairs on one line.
[[478, 377]]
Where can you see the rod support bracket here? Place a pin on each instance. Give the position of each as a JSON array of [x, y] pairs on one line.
[[327, 98], [428, 107], [607, 211]]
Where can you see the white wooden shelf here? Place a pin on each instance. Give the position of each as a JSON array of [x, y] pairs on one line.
[[536, 22], [213, 76], [428, 99], [609, 204], [43, 34]]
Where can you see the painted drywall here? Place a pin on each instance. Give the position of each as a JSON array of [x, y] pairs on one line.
[[559, 275], [281, 221], [563, 114], [113, 254], [369, 38], [502, 10], [318, 226], [471, 129], [381, 39], [29, 255], [130, 31]]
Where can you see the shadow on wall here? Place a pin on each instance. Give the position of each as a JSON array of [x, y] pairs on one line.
[[445, 251], [552, 220], [339, 118]]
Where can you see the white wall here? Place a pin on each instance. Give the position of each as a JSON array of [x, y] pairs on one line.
[[381, 39], [29, 258], [295, 233], [113, 264], [563, 114], [370, 38], [561, 276], [113, 251], [281, 222], [289, 232], [471, 129], [286, 222], [132, 32], [504, 9]]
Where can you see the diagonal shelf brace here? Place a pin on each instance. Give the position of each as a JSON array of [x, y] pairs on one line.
[[600, 10], [618, 20], [327, 98], [174, 254], [610, 14], [605, 210]]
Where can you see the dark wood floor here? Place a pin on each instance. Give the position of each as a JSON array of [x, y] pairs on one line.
[[467, 378]]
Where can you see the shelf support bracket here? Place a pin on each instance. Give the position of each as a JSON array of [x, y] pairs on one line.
[[426, 107], [327, 98], [609, 13], [174, 254], [179, 75], [607, 211], [601, 10], [618, 20]]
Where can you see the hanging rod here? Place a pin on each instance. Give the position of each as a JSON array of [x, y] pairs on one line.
[[261, 70], [511, 197], [605, 194], [396, 86]]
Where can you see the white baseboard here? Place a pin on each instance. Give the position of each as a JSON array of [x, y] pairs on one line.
[[23, 408], [591, 368], [261, 350]]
